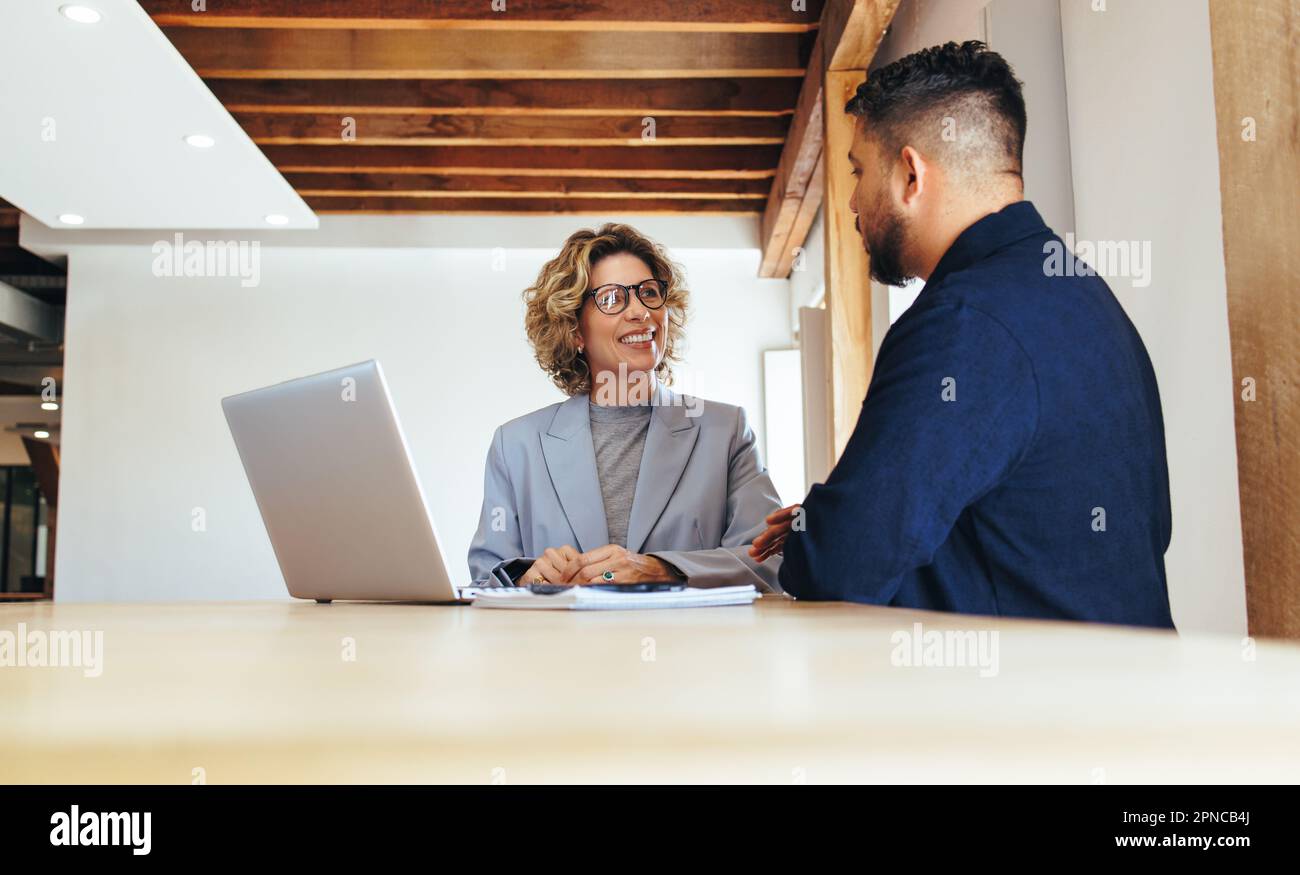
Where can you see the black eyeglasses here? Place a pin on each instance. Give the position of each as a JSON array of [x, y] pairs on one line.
[[613, 298]]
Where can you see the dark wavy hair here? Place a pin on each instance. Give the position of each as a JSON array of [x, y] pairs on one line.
[[906, 100]]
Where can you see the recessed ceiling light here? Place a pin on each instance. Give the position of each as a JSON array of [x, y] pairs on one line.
[[41, 433], [200, 141], [71, 219], [49, 405], [277, 219], [81, 14]]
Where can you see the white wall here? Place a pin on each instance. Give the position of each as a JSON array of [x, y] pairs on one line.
[[1028, 34], [149, 358], [919, 24], [1146, 168]]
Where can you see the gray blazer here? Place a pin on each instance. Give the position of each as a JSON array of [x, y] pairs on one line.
[[701, 495]]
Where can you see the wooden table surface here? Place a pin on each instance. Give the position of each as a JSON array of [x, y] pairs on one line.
[[779, 692]]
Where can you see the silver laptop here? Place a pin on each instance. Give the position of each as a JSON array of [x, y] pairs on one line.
[[337, 489]]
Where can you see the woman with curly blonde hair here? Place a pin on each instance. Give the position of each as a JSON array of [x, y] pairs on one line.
[[626, 481]]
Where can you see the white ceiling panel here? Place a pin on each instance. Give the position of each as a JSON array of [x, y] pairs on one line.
[[93, 120]]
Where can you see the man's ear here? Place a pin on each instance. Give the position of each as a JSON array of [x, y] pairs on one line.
[[915, 172]]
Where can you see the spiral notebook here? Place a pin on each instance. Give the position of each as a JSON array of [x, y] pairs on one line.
[[584, 598]]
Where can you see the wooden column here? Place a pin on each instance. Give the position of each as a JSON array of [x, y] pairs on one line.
[[1255, 94], [848, 285], [859, 26]]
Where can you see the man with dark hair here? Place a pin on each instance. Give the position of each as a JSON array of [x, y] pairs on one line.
[[1009, 458]]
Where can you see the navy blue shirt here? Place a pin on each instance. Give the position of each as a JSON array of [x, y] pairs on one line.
[[1009, 458]]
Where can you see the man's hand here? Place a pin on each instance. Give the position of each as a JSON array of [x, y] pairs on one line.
[[772, 541], [627, 567], [556, 565]]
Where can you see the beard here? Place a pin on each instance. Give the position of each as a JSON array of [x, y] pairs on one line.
[[886, 239]]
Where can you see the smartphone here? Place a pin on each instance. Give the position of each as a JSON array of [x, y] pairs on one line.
[[554, 588], [665, 586], [548, 588]]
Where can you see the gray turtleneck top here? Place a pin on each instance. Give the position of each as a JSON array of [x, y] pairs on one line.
[[618, 434]]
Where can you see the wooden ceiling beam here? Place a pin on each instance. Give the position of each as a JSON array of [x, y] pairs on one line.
[[791, 186], [412, 105], [658, 97], [674, 162], [732, 16], [318, 193], [507, 205], [853, 30], [713, 98], [501, 130], [251, 53], [499, 185]]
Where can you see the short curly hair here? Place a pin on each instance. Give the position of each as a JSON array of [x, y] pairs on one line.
[[554, 302]]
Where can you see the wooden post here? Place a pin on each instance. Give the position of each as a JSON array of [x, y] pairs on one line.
[[854, 28], [1255, 95], [848, 285]]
